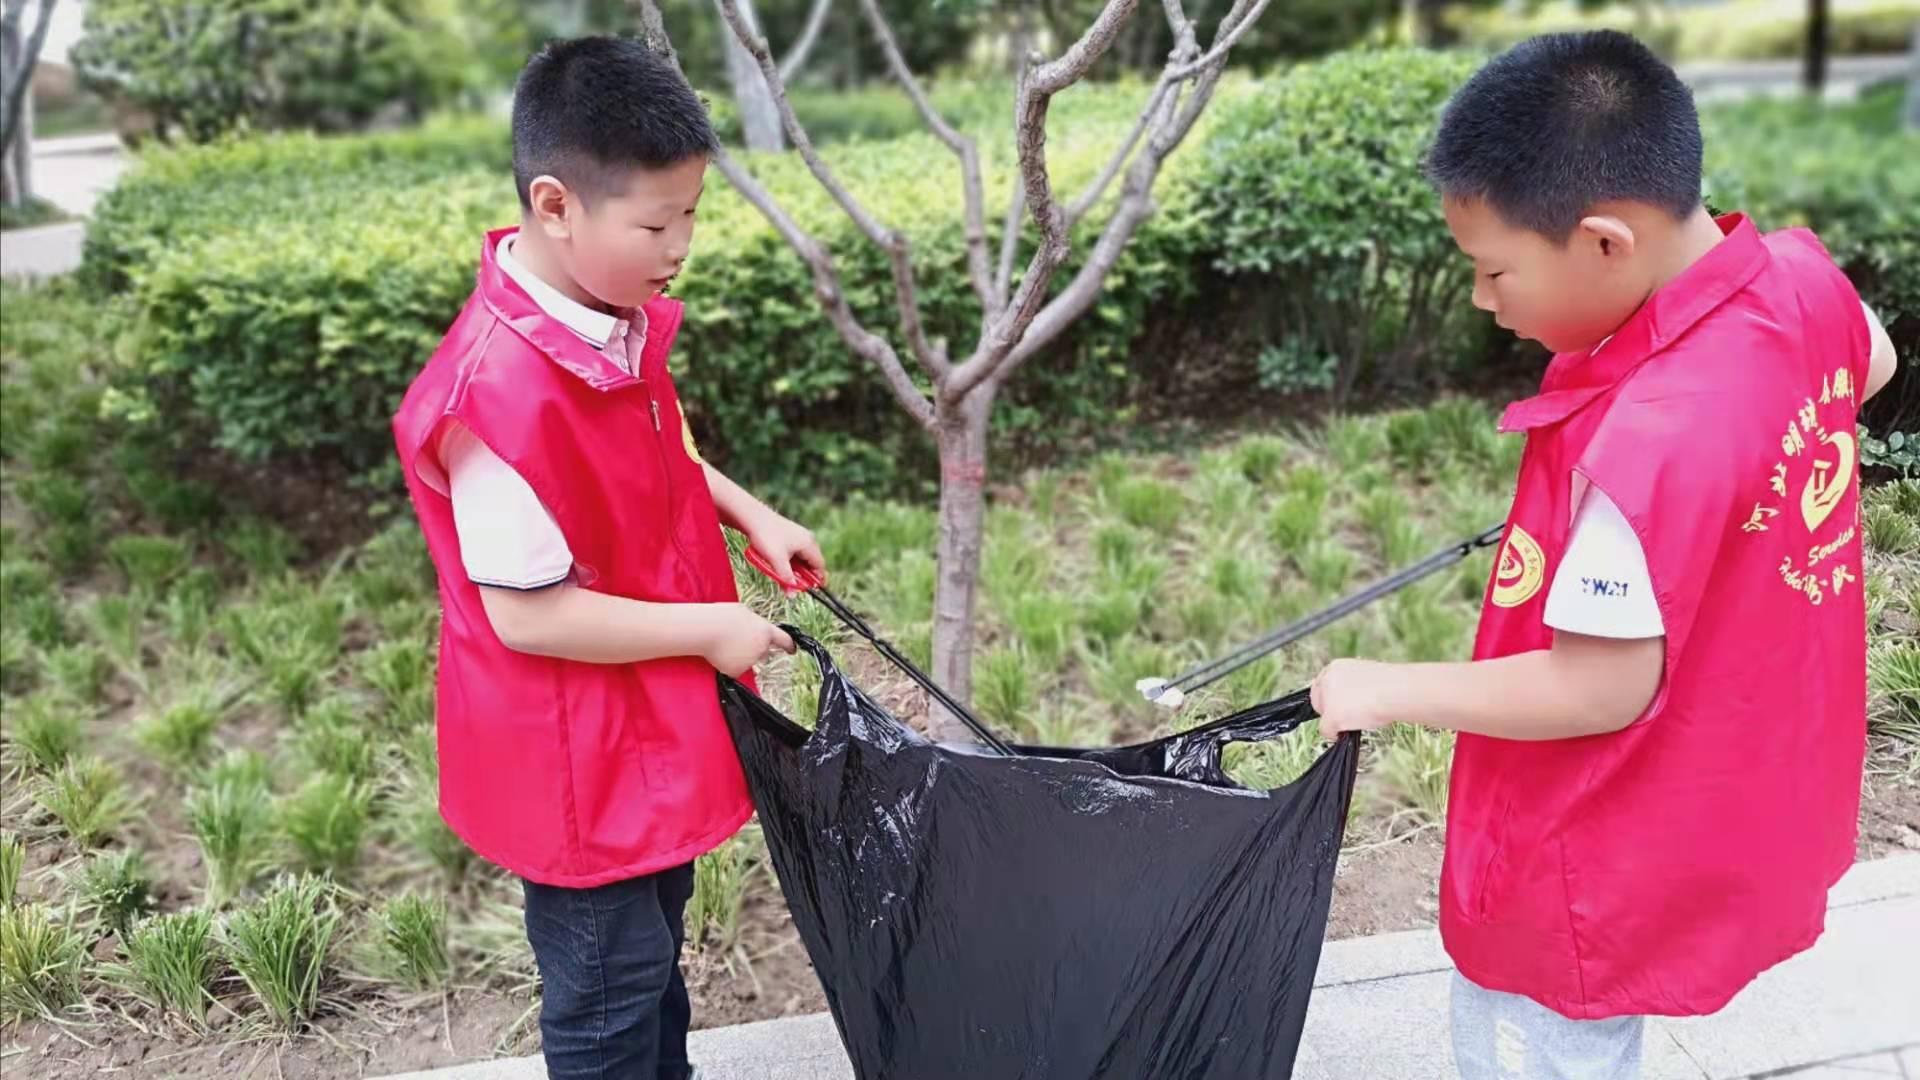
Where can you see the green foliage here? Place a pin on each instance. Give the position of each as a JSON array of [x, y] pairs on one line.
[[231, 817], [170, 964], [326, 820], [43, 731], [13, 859], [118, 888], [1899, 452], [1847, 174], [43, 963], [88, 798], [149, 562], [720, 881], [281, 946], [1740, 30], [201, 69], [174, 196], [409, 941], [1313, 187], [266, 340]]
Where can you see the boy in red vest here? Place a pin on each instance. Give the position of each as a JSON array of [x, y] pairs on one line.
[[1658, 770], [588, 596]]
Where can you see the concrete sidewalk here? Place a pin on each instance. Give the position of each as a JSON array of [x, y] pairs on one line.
[[1850, 1007]]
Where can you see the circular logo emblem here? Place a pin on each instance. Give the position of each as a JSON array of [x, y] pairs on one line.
[[1523, 568]]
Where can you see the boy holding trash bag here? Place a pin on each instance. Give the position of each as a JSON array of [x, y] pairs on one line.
[[1662, 731], [588, 593]]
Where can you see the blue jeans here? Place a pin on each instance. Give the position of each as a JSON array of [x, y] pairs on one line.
[[1499, 1036], [613, 1006]]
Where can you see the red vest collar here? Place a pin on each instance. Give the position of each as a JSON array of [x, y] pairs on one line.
[[513, 307], [1574, 379]]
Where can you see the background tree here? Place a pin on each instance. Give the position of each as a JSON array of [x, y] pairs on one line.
[[20, 44], [952, 396]]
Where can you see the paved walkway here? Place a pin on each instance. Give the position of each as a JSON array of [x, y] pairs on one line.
[[72, 173], [1849, 1007], [40, 252]]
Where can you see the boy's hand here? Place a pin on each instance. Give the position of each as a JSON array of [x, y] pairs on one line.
[[739, 639], [786, 545], [1352, 695]]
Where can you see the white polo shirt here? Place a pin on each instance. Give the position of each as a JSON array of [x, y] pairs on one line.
[[508, 539], [1602, 587]]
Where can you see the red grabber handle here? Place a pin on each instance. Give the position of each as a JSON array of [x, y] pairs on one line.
[[804, 579]]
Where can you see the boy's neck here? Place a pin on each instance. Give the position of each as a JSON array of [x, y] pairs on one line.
[[1691, 240], [534, 251]]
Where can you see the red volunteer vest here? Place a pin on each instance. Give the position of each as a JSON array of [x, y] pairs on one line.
[[568, 773], [1658, 869]]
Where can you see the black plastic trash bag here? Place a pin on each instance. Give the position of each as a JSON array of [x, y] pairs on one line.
[[1126, 912]]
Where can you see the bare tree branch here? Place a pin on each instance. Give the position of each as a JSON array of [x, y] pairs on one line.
[[826, 286], [1088, 198], [1030, 119], [809, 34], [894, 243], [962, 147], [1230, 33], [1136, 202], [654, 29], [1009, 244], [1016, 202], [826, 280], [1058, 74], [28, 54]]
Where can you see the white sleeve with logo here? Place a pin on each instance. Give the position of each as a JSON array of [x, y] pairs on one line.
[[1602, 588], [507, 538]]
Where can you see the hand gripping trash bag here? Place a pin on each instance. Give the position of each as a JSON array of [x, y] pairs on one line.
[[1126, 913]]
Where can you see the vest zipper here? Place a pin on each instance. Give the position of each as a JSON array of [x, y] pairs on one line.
[[666, 470]]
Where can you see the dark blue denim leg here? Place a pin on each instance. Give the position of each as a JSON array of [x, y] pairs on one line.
[[613, 1004], [676, 1011]]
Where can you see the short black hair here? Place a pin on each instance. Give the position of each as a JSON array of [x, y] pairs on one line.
[[1561, 122], [588, 110]]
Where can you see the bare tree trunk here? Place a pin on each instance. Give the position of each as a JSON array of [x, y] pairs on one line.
[[19, 187], [962, 439], [759, 114], [1814, 75], [1016, 322], [18, 56]]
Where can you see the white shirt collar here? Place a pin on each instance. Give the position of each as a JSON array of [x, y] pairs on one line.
[[597, 327]]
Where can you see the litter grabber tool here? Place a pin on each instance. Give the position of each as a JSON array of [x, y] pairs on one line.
[[1172, 693], [804, 580]]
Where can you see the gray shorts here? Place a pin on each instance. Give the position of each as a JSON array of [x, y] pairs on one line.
[[1498, 1036]]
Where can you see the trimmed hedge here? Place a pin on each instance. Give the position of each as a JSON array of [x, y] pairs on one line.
[[281, 291], [1846, 172], [268, 336], [1313, 188], [1740, 30], [179, 197]]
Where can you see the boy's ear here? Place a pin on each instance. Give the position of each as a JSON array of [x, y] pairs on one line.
[[1610, 235], [550, 211]]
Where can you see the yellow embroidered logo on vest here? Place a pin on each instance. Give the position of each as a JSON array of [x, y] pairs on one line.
[[1522, 570]]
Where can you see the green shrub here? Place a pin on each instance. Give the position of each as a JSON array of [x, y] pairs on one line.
[[118, 888], [1313, 187], [201, 69], [43, 963], [1839, 172], [281, 946], [1742, 30], [188, 194], [409, 941], [170, 963], [267, 340]]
